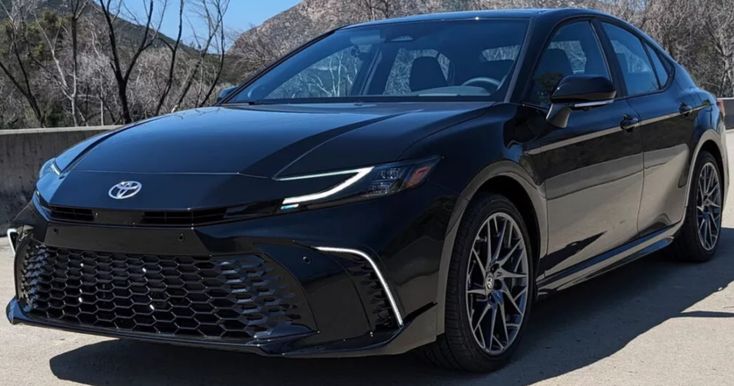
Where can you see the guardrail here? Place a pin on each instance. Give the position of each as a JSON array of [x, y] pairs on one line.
[[728, 105], [22, 152]]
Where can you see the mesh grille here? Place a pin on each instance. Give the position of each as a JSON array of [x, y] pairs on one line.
[[372, 294], [234, 297]]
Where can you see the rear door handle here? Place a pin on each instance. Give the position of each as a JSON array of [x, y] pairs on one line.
[[685, 109], [629, 123]]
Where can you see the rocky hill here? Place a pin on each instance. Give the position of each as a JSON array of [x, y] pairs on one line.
[[285, 31]]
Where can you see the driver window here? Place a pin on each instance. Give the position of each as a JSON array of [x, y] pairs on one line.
[[574, 49]]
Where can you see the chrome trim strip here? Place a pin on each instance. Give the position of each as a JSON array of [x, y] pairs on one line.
[[9, 234], [574, 140], [593, 104], [358, 175], [365, 256], [55, 168]]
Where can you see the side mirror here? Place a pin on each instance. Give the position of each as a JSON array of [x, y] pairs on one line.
[[579, 92], [225, 93]]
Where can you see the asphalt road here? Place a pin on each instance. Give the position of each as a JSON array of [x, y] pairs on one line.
[[651, 322]]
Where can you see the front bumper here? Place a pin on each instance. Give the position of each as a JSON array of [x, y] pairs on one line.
[[350, 300]]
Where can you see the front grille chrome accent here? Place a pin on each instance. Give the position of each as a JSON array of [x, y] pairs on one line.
[[377, 271]]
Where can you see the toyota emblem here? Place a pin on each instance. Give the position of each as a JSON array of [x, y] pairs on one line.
[[125, 189]]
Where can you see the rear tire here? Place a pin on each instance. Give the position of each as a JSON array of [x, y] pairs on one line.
[[490, 289], [698, 239]]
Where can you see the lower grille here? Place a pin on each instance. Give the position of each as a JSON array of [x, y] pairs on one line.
[[373, 294], [224, 298]]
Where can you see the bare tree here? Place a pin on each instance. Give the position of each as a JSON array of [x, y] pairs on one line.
[[174, 48], [16, 63], [66, 78], [719, 27], [212, 12], [377, 9], [123, 71]]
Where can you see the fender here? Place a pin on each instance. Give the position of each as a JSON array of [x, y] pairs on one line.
[[718, 137], [499, 169]]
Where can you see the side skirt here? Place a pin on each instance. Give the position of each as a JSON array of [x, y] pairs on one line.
[[608, 261]]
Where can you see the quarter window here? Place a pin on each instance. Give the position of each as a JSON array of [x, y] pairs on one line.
[[637, 72], [661, 70], [573, 49]]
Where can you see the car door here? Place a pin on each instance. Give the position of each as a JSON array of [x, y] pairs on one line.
[[667, 116], [592, 169]]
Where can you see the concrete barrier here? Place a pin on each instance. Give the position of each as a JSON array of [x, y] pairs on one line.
[[22, 152]]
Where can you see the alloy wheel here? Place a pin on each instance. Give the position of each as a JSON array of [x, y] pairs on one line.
[[497, 283], [708, 206]]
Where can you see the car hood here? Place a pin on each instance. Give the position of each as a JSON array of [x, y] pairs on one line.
[[228, 156], [269, 141]]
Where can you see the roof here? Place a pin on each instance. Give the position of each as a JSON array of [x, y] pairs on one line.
[[528, 13]]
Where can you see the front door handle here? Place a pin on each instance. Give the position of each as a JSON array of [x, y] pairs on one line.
[[629, 123], [685, 109]]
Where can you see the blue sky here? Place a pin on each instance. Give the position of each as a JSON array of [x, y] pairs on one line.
[[241, 15]]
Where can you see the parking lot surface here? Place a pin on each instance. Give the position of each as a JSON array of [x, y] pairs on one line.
[[651, 322]]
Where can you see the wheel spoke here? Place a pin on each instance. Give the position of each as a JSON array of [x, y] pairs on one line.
[[511, 299], [481, 317], [477, 291], [481, 266], [509, 253], [521, 293], [500, 241], [510, 275], [503, 317]]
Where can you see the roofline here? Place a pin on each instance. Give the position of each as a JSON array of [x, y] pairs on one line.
[[521, 13]]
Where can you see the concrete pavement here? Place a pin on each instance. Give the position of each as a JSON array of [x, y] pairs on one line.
[[651, 322]]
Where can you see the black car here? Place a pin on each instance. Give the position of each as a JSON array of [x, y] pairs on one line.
[[405, 184]]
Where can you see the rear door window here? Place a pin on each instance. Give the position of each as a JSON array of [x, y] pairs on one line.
[[637, 70]]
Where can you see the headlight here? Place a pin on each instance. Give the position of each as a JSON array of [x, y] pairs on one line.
[[49, 167], [364, 183]]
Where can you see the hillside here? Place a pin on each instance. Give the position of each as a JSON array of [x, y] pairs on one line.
[[128, 32], [285, 31]]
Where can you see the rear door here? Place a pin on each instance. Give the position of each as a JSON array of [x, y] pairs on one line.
[[666, 117], [592, 169]]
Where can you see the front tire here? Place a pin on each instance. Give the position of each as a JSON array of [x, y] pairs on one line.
[[698, 239], [490, 289]]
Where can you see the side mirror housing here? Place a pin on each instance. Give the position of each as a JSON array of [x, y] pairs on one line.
[[579, 92], [225, 93]]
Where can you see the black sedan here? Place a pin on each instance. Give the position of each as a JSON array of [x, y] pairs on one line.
[[405, 184]]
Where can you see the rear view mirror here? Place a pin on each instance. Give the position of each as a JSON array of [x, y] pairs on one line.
[[576, 92]]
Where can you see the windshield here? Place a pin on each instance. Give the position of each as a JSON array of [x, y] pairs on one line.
[[455, 60]]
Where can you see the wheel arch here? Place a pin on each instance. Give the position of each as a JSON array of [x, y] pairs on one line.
[[711, 147], [714, 142], [513, 181]]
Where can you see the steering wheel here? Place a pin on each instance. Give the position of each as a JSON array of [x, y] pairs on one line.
[[483, 82]]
